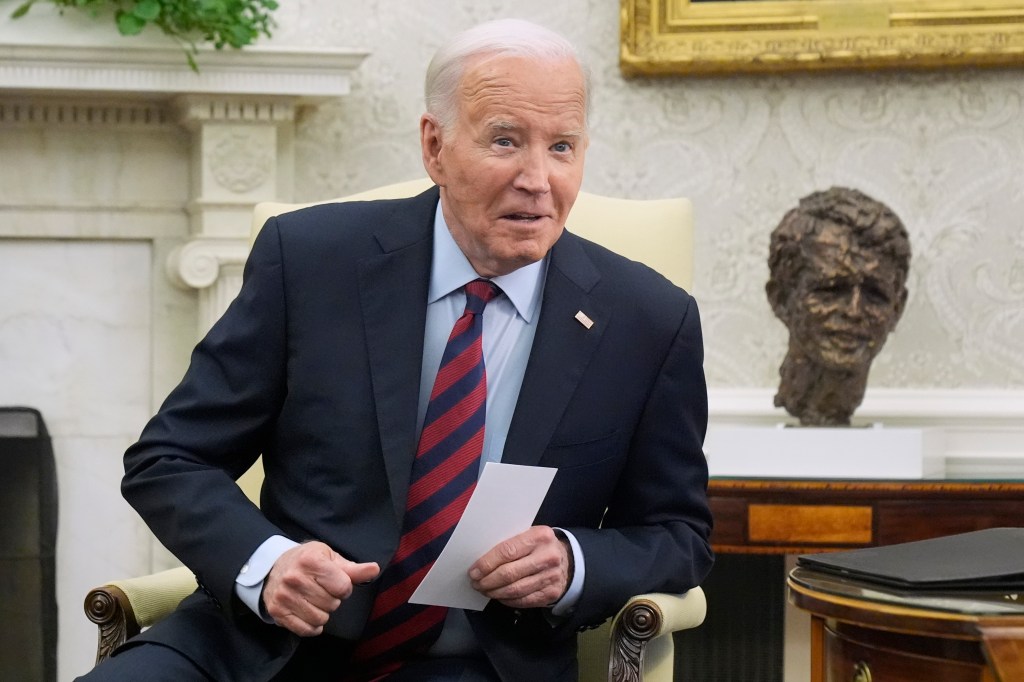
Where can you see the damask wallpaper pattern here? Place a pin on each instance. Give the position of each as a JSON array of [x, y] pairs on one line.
[[944, 149]]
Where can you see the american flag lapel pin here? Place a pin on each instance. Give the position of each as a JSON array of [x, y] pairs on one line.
[[582, 318]]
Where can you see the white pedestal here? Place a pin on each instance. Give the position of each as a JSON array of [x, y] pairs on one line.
[[873, 452]]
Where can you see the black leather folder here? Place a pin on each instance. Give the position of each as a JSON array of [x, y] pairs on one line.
[[988, 560]]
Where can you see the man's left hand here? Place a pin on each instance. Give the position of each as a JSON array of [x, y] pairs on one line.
[[530, 570]]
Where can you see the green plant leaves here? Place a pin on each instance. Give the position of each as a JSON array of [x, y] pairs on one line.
[[147, 10], [235, 23], [129, 24], [22, 9], [241, 35], [212, 6]]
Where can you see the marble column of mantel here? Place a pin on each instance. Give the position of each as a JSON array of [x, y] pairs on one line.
[[240, 109]]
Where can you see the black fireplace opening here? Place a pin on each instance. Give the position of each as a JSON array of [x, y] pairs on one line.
[[28, 540]]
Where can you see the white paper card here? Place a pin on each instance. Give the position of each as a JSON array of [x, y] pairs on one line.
[[504, 503]]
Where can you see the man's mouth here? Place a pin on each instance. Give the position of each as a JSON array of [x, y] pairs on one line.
[[848, 340], [523, 217]]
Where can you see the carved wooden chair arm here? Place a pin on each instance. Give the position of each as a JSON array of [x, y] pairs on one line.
[[122, 608], [641, 634], [641, 646]]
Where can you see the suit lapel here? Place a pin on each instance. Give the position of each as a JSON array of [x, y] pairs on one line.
[[393, 293], [561, 351]]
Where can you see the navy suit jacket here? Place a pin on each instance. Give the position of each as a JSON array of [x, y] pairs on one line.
[[316, 365]]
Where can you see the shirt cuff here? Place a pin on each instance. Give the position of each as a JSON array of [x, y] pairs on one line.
[[249, 582], [564, 606]]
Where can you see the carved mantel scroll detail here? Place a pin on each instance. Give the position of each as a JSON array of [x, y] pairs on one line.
[[197, 264], [213, 266]]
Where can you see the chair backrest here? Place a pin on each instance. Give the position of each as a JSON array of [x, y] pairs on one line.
[[657, 232]]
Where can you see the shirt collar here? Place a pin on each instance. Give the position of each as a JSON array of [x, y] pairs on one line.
[[451, 270]]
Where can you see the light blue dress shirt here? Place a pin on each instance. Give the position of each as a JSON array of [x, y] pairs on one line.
[[510, 323]]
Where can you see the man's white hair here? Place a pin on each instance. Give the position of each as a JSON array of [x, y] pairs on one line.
[[502, 37]]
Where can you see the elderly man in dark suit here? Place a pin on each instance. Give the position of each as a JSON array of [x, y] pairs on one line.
[[548, 350]]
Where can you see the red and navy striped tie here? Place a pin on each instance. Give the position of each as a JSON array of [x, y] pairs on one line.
[[444, 474]]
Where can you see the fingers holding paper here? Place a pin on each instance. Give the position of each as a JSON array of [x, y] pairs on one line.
[[532, 569]]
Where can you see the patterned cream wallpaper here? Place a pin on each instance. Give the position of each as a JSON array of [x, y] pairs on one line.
[[944, 149]]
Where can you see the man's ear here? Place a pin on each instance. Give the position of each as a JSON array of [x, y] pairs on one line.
[[901, 305], [776, 299], [431, 145]]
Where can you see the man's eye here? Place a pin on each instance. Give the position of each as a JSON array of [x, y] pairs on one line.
[[503, 142], [561, 147], [877, 295], [830, 290]]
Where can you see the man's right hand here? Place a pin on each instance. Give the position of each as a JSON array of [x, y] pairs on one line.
[[307, 583]]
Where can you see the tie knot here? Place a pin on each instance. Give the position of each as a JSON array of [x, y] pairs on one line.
[[478, 293]]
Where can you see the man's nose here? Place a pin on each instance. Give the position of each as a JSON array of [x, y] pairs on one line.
[[855, 304], [534, 173]]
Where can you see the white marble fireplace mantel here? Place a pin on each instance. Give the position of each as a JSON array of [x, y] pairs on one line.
[[308, 76], [72, 52], [239, 109]]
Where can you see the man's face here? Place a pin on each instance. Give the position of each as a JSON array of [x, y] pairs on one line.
[[845, 303], [511, 165]]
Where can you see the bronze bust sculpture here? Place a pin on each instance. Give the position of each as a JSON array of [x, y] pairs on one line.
[[839, 263]]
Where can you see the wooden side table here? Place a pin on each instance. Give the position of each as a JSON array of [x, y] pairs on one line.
[[778, 516], [866, 633], [758, 521]]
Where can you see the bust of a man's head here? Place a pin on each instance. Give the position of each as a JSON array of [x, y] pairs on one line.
[[839, 263]]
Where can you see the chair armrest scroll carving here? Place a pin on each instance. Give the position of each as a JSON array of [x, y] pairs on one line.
[[122, 608], [110, 609], [641, 646]]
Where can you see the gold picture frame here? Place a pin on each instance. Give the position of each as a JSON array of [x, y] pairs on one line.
[[684, 37]]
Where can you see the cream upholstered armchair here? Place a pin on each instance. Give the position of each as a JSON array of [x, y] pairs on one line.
[[637, 643]]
